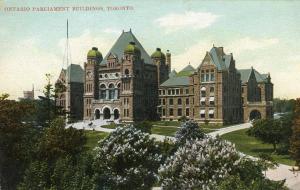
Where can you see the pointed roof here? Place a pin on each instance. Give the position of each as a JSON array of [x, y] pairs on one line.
[[172, 74], [219, 58], [246, 73], [76, 73], [186, 71], [119, 46]]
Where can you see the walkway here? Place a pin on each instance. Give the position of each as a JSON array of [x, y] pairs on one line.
[[280, 173]]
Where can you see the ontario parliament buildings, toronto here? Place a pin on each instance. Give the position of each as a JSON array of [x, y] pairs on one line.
[[128, 85]]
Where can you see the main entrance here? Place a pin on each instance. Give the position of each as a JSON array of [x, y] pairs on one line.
[[106, 113]]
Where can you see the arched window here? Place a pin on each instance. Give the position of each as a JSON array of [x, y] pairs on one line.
[[126, 72], [111, 91], [119, 90], [102, 91]]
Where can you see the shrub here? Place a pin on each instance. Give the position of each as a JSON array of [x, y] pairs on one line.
[[188, 131], [127, 159]]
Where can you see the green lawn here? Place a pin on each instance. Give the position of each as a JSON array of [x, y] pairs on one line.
[[93, 137], [251, 146], [166, 123], [112, 126], [167, 131]]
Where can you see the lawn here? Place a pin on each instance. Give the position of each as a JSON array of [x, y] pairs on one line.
[[166, 130], [166, 123], [251, 146], [93, 137], [112, 126]]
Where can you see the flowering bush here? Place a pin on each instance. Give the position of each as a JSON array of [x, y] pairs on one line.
[[199, 164], [127, 159], [188, 130]]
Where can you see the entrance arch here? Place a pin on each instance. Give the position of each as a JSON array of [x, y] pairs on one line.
[[97, 114], [116, 114], [255, 114], [106, 113]]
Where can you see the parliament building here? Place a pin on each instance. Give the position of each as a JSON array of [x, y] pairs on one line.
[[129, 85]]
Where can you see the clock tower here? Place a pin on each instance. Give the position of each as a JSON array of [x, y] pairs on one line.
[[91, 86]]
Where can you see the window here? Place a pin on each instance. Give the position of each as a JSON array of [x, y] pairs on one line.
[[211, 113], [187, 91], [126, 72], [187, 101], [173, 91], [181, 91], [212, 75], [202, 113], [207, 75], [119, 90], [171, 111], [164, 102], [163, 112], [169, 92], [163, 92], [177, 91], [159, 102], [102, 91], [170, 101], [111, 91], [179, 102], [212, 89], [179, 112], [187, 111], [202, 77]]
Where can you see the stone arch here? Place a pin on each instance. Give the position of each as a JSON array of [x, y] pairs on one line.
[[97, 114], [116, 113], [106, 113], [255, 114]]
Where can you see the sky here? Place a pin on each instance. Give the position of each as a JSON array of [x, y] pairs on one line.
[[262, 34]]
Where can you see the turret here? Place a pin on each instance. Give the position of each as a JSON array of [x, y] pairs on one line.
[[159, 59], [168, 60]]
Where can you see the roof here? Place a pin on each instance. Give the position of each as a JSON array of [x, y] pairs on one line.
[[76, 74], [245, 75], [187, 71], [219, 58], [176, 81], [94, 53], [158, 54], [119, 46], [172, 74]]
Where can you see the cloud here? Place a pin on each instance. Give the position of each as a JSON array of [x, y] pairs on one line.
[[250, 44], [24, 65], [193, 54], [195, 20], [80, 45], [111, 31]]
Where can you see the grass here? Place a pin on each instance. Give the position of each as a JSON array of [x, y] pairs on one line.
[[93, 137], [167, 131], [251, 146], [112, 126], [166, 123]]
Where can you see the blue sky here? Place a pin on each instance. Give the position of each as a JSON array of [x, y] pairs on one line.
[[262, 34]]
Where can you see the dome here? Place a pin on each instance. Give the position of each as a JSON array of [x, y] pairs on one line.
[[94, 53], [158, 54], [131, 48]]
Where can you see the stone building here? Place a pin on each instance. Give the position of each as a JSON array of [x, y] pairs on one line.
[[70, 97], [210, 93], [257, 94], [123, 86], [128, 85]]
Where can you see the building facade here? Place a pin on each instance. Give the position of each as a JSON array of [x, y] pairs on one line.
[[69, 96], [216, 92], [128, 85], [123, 86]]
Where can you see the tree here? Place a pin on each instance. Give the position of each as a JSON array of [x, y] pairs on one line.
[[188, 131], [18, 141], [198, 164], [127, 159], [295, 139], [266, 162], [268, 131], [60, 142]]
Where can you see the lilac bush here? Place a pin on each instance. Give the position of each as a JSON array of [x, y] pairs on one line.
[[199, 164], [127, 159]]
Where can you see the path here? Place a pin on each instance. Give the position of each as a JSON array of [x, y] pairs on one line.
[[280, 173]]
